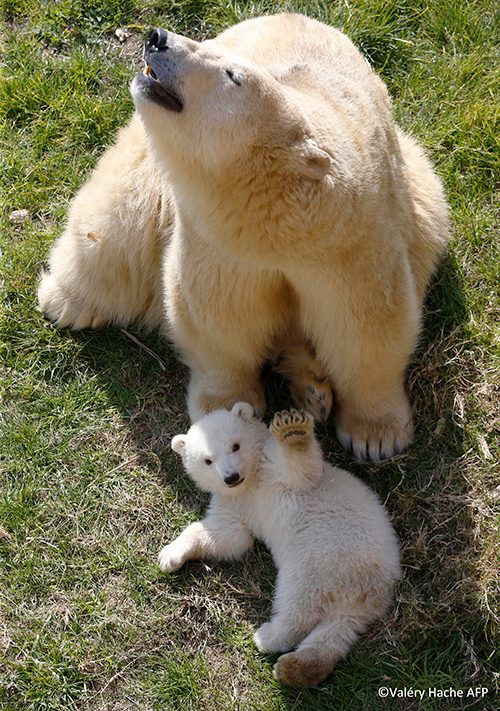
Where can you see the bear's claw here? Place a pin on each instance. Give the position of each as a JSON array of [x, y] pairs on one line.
[[313, 392]]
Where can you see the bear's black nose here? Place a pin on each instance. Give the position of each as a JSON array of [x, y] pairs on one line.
[[157, 40], [231, 479]]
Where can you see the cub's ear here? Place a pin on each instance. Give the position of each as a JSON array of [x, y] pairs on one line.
[[243, 410], [311, 161], [179, 443]]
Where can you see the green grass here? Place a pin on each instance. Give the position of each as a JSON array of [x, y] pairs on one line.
[[89, 489]]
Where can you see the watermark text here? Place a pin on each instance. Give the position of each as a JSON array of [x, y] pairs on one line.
[[433, 692]]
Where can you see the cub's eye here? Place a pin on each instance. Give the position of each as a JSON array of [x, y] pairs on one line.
[[236, 447], [232, 77], [208, 462]]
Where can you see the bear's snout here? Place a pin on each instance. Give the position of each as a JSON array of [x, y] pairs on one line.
[[232, 479], [157, 40]]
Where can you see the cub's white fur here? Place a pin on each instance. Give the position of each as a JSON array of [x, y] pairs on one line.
[[336, 552]]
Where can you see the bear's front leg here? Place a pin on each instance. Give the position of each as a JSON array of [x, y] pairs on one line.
[[224, 317], [208, 391], [364, 326], [375, 431], [213, 537]]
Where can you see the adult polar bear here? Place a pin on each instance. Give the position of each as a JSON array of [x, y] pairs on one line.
[[264, 181]]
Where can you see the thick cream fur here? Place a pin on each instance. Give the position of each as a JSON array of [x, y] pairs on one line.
[[336, 552], [285, 209]]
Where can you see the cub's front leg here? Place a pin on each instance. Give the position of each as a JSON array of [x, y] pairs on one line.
[[213, 537]]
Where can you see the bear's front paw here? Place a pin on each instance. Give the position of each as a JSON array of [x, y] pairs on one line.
[[293, 427], [172, 557], [378, 438]]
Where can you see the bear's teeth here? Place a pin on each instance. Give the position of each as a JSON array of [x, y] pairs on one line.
[[150, 73]]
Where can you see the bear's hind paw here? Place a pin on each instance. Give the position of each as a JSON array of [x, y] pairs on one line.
[[63, 309]]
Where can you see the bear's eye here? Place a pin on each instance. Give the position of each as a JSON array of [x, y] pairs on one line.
[[208, 462], [236, 447], [234, 79]]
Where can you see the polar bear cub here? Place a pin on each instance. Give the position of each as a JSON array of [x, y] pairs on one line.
[[331, 539]]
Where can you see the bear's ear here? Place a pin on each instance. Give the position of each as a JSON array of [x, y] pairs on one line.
[[312, 162], [179, 443], [243, 410]]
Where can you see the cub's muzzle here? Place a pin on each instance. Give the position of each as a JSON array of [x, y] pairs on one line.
[[233, 479]]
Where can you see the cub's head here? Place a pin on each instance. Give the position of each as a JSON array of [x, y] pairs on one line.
[[221, 451], [203, 103]]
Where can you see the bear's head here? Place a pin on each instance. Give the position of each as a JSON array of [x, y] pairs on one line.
[[221, 451], [202, 104]]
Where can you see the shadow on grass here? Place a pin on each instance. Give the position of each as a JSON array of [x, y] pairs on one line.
[[434, 636]]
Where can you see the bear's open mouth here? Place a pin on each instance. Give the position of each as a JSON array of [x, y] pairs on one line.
[[155, 91]]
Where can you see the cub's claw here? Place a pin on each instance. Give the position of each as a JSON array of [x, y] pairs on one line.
[[293, 427]]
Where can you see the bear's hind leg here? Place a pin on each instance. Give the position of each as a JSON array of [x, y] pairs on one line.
[[106, 266], [310, 387]]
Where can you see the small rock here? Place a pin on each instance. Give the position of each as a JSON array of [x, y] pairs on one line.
[[495, 494], [18, 216], [122, 34], [483, 446], [4, 535]]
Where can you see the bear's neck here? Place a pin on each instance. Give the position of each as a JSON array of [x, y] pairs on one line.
[[255, 212]]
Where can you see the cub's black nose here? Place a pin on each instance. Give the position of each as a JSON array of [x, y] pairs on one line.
[[231, 479], [157, 40]]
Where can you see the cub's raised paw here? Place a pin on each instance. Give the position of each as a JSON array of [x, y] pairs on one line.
[[294, 428]]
